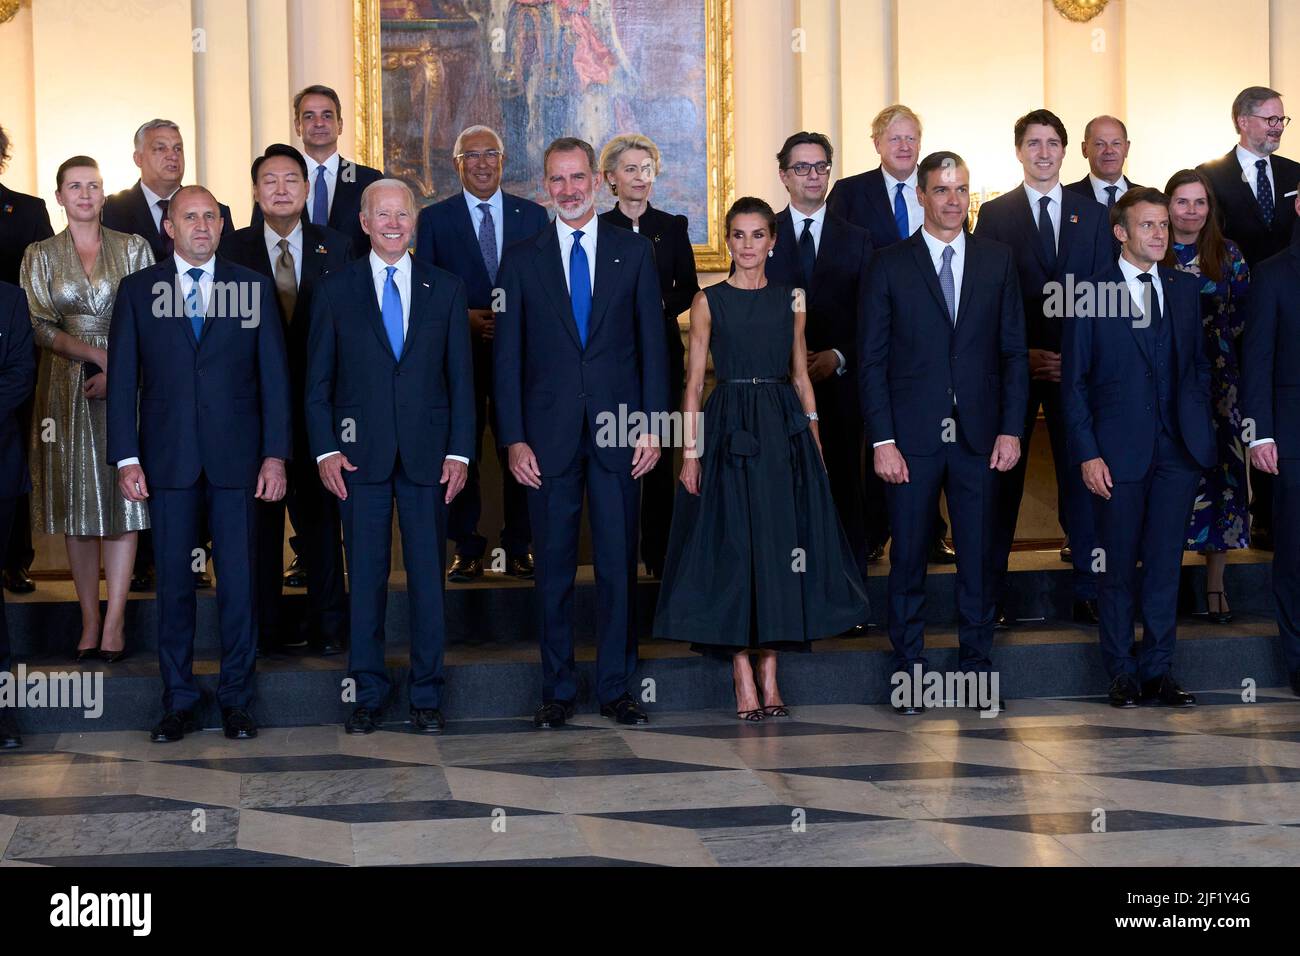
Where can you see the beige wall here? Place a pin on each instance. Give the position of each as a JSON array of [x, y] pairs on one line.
[[80, 76]]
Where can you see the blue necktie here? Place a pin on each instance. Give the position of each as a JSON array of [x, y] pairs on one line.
[[1046, 234], [580, 286], [320, 202], [947, 284], [900, 211], [487, 241], [392, 312], [1110, 195], [194, 303], [1264, 191]]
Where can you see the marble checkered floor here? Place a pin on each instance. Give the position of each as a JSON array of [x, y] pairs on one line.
[[1051, 782]]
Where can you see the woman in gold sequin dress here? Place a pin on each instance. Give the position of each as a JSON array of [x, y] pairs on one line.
[[71, 282]]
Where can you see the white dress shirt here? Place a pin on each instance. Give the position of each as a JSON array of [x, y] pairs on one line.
[[331, 181], [1137, 288], [401, 279], [565, 232], [1251, 174], [958, 264], [915, 215], [152, 199], [818, 217], [1099, 187], [187, 283], [1053, 207], [295, 248], [498, 215]]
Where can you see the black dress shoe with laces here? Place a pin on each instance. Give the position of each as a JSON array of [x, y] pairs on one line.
[[941, 552], [1124, 692], [363, 720], [464, 569], [1067, 553], [625, 711], [521, 566], [10, 738], [238, 723], [295, 575], [1085, 612], [552, 714], [1165, 690], [18, 581], [174, 726], [1001, 619], [427, 720]]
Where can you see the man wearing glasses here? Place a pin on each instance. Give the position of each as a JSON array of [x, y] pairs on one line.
[[1256, 190], [826, 256], [466, 234]]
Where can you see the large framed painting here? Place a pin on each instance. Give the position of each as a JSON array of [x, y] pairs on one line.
[[538, 69]]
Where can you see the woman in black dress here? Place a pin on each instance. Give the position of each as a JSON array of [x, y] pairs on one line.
[[757, 560], [630, 164]]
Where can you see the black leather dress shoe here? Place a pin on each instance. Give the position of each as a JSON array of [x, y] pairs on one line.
[[327, 646], [1067, 553], [18, 581], [1165, 690], [942, 553], [552, 714], [1085, 612], [1124, 692], [238, 723], [174, 726], [876, 554], [427, 720], [142, 580], [1001, 619], [909, 710], [295, 575], [521, 566], [10, 738], [464, 569], [202, 579], [625, 711], [363, 720]]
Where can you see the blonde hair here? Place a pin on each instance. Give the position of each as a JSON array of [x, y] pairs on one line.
[[885, 118], [619, 145]]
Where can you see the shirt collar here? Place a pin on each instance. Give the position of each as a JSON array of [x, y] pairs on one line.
[[210, 267], [818, 216], [152, 197], [1131, 272], [891, 183], [1034, 195], [378, 265], [331, 164], [495, 200], [565, 230], [273, 238], [1100, 185], [936, 245], [1247, 159]]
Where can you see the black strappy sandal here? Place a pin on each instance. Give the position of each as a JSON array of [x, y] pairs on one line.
[[776, 710], [751, 715]]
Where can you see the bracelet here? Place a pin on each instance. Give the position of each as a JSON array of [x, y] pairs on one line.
[[812, 416]]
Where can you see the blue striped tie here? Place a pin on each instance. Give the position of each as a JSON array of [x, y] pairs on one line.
[[194, 303]]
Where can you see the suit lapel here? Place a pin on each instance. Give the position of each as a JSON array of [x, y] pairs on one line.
[[1069, 226], [512, 229], [421, 296], [144, 218], [178, 300], [1027, 216], [551, 269], [1139, 335], [364, 289], [921, 253], [609, 255], [464, 226], [971, 270], [342, 198], [878, 196]]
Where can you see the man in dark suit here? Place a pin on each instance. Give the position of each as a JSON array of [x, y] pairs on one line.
[[390, 416], [196, 345], [17, 379], [581, 339], [1105, 147], [1256, 190], [827, 257], [23, 220], [465, 234], [944, 387], [1136, 389], [335, 184], [883, 201], [1270, 405], [1057, 237], [295, 256]]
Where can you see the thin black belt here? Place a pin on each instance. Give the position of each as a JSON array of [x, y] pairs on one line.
[[756, 381]]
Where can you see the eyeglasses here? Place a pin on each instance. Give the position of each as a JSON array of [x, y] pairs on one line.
[[493, 156], [803, 169], [1274, 121]]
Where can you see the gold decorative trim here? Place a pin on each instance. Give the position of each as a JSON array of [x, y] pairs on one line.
[[8, 10], [711, 256], [1080, 11]]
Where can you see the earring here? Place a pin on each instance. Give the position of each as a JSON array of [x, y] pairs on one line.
[[769, 253]]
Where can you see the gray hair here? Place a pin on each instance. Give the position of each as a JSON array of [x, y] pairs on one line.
[[153, 124], [386, 184], [1249, 99], [469, 131]]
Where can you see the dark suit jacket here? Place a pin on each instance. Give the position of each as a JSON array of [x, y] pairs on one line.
[[446, 238], [1083, 249], [1239, 214], [23, 220], [324, 251], [17, 379], [219, 405], [1270, 352], [128, 211], [364, 402], [1083, 187], [839, 273], [1108, 386], [547, 386], [345, 211], [864, 201], [913, 360], [674, 260]]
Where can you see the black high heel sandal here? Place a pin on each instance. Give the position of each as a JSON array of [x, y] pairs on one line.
[[776, 710], [1220, 616]]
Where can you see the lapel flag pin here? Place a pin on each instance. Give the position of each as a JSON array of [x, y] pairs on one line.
[[8, 208], [425, 284], [321, 250], [1074, 218]]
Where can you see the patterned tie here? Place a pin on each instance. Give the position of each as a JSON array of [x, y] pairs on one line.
[[1151, 301], [320, 200], [580, 286], [487, 240], [168, 246], [947, 284], [900, 211], [392, 313], [193, 303], [807, 252], [1264, 191], [1110, 195], [1046, 235], [286, 280]]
